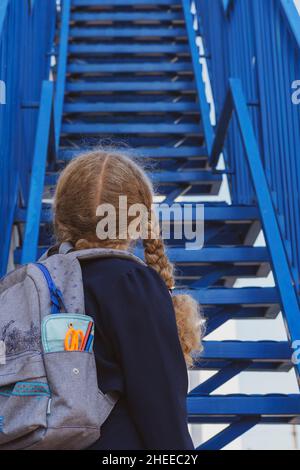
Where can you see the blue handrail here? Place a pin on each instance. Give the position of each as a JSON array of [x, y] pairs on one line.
[[3, 10], [292, 17], [30, 243]]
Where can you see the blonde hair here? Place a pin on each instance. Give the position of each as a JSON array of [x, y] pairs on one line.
[[101, 177]]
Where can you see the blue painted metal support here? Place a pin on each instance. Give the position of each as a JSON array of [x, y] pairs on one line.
[[214, 275], [30, 243], [3, 9], [292, 17], [218, 318], [62, 68], [221, 131], [220, 378], [229, 434]]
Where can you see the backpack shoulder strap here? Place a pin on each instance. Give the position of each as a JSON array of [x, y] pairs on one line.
[[66, 248], [94, 253]]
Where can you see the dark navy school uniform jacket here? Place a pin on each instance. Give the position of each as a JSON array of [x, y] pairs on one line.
[[138, 355]]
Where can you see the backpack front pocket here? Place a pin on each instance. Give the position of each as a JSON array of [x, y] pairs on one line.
[[78, 409]]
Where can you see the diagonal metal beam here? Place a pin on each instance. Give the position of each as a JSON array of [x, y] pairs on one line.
[[220, 378], [230, 433]]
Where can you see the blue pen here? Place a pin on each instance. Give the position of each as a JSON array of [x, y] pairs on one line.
[[89, 342]]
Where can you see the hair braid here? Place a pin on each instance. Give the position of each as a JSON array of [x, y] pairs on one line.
[[156, 257], [187, 310]]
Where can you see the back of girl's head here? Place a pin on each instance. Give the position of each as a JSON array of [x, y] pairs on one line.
[[91, 179], [101, 178]]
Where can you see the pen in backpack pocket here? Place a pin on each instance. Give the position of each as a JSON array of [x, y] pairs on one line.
[[86, 337], [89, 342]]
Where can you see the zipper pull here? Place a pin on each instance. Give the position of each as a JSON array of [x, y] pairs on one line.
[[49, 406]]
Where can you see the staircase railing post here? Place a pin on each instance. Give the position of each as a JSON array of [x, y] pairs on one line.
[[62, 68]]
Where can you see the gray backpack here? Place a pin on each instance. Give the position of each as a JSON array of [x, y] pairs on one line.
[[49, 397]]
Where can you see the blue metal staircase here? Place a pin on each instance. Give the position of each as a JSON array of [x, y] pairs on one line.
[[128, 72]]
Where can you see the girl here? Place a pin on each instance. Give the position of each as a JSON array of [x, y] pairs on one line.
[[144, 337]]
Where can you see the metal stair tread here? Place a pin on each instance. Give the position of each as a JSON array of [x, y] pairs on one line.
[[90, 3], [121, 48], [269, 408], [146, 107], [82, 128], [126, 16], [212, 212], [110, 31], [134, 86], [139, 67], [144, 152]]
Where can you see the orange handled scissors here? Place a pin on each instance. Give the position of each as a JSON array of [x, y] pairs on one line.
[[72, 339]]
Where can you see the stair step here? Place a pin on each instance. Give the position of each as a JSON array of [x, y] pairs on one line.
[[241, 313], [272, 408], [125, 32], [134, 3], [122, 17], [143, 152], [130, 86], [230, 213], [82, 128], [235, 296], [212, 213], [147, 107], [186, 177], [216, 254], [238, 254], [166, 177], [130, 67], [119, 49], [261, 355]]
